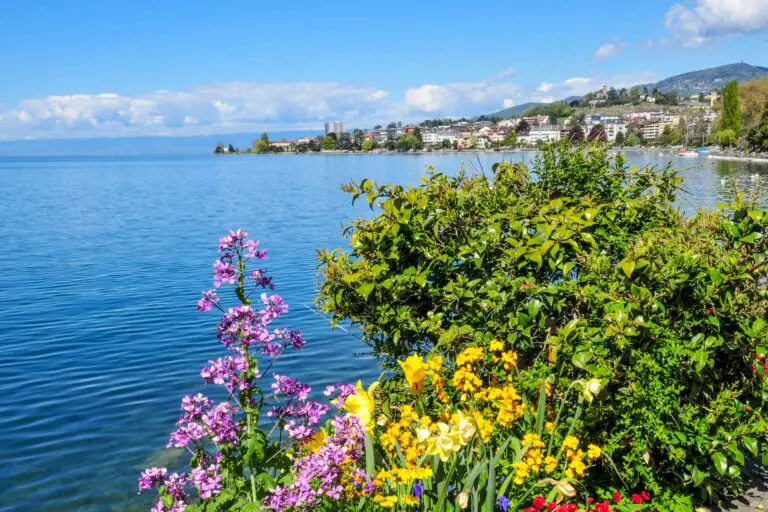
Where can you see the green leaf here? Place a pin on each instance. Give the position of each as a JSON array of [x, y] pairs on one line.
[[750, 443], [370, 456], [365, 290], [699, 360], [627, 266], [715, 276], [589, 239], [737, 454], [580, 359], [535, 257], [698, 476], [721, 462], [751, 238]]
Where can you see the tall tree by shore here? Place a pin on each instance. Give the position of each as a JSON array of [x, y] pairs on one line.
[[731, 118]]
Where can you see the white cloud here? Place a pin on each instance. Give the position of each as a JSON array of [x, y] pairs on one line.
[[609, 50], [709, 19], [461, 98], [227, 107], [508, 103], [581, 85]]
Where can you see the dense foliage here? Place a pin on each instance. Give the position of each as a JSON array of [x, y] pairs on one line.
[[583, 267], [436, 435], [758, 136]]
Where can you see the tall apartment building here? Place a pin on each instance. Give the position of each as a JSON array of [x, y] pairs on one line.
[[336, 127]]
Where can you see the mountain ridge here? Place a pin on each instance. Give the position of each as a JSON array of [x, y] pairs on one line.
[[691, 82]]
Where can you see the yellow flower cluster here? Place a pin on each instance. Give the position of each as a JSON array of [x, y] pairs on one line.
[[575, 457], [532, 460], [506, 401], [496, 346], [509, 359], [401, 433], [402, 476], [469, 356], [434, 370], [466, 380]]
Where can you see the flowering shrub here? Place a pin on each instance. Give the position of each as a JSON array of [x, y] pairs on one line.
[[436, 435], [587, 270]]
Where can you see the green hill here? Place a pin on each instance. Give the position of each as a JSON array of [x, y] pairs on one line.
[[707, 79]]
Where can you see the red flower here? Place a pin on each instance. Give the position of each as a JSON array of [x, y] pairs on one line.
[[617, 497], [551, 506], [590, 500], [645, 496], [529, 509], [539, 502], [636, 498], [747, 408]]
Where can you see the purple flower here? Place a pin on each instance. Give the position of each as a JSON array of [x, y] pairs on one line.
[[207, 481], [207, 301], [261, 280], [252, 250], [151, 477], [224, 271], [231, 240], [503, 503], [228, 371], [418, 489], [290, 387]]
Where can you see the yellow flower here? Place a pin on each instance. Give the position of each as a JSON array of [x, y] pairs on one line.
[[462, 500], [466, 380], [434, 364], [466, 427], [469, 355], [510, 359], [317, 441], [410, 500], [496, 346], [592, 389], [444, 443], [415, 370], [550, 464], [385, 501], [593, 452], [361, 404]]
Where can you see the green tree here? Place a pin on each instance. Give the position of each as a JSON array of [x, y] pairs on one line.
[[265, 137], [727, 138], [511, 138], [260, 146], [731, 116], [758, 136], [329, 142], [634, 96], [633, 140], [586, 268], [368, 144], [445, 144], [407, 142], [619, 139]]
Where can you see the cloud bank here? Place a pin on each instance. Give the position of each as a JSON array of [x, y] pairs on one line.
[[246, 106], [707, 20]]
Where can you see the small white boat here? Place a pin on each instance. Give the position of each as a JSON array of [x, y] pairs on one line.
[[688, 153]]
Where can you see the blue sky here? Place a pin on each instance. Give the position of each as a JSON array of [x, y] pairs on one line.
[[119, 68]]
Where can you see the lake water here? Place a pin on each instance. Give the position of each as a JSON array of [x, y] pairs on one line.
[[102, 262]]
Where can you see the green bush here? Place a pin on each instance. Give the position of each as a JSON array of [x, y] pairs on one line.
[[588, 269]]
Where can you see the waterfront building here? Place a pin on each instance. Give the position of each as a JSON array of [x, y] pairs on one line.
[[336, 127], [651, 131], [540, 133]]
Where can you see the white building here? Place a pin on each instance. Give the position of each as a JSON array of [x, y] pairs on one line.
[[652, 131], [336, 127], [613, 128], [541, 133], [435, 137]]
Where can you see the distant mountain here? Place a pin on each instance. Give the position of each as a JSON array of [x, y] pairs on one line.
[[515, 111], [686, 84], [707, 79]]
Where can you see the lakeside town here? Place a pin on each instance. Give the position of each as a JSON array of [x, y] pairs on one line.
[[732, 117], [624, 118]]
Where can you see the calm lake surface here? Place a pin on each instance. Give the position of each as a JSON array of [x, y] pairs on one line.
[[102, 262]]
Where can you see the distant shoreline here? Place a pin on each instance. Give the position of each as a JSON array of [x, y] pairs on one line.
[[716, 154]]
